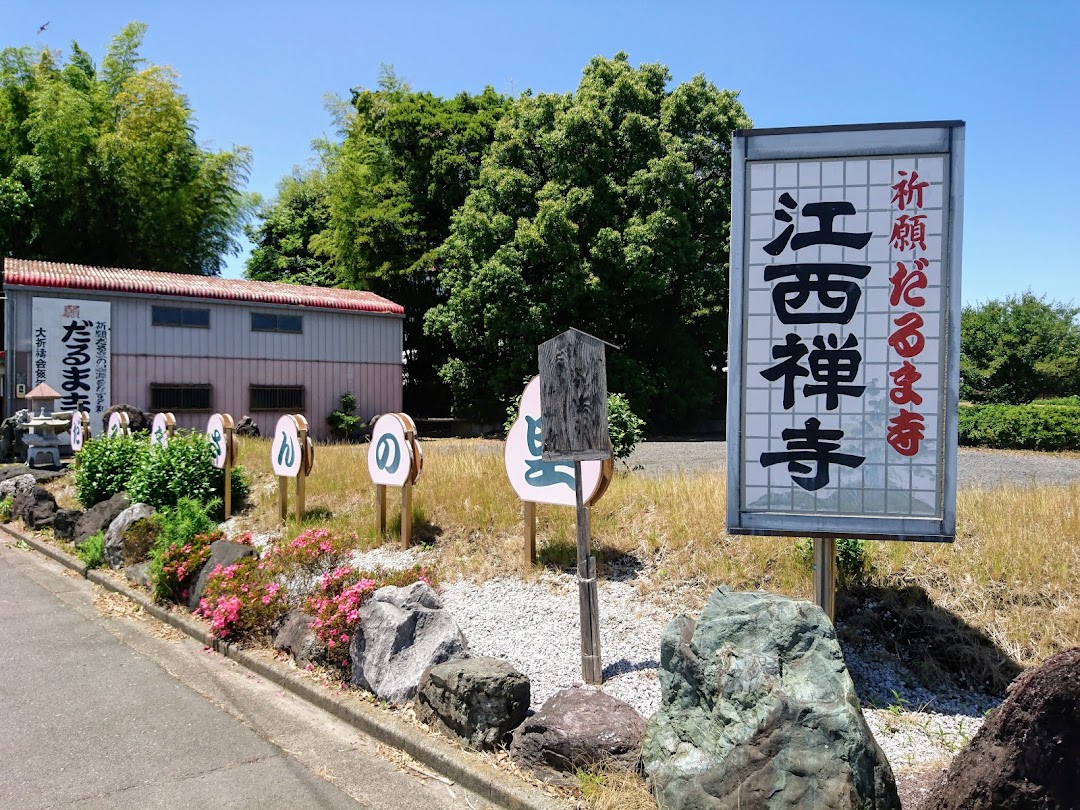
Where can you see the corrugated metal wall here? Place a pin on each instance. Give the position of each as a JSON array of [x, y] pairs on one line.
[[337, 352]]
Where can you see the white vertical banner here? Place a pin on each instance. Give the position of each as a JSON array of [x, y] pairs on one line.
[[71, 352], [844, 294]]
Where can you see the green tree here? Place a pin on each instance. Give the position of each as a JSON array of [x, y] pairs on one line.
[[100, 165], [288, 232], [1018, 350], [607, 210], [406, 164]]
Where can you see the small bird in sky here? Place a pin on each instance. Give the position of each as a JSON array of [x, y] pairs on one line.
[[46, 25]]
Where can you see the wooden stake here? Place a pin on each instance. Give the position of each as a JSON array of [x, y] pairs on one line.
[[228, 470], [406, 514], [592, 670], [529, 559], [825, 575], [283, 498], [380, 508]]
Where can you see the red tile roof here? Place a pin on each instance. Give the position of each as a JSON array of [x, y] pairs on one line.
[[21, 272]]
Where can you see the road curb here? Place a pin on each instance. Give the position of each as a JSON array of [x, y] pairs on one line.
[[440, 756]]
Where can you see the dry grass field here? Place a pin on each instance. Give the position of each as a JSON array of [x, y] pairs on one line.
[[1005, 594]]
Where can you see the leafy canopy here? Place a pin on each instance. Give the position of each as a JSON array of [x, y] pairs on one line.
[[99, 165], [1018, 350], [606, 210]]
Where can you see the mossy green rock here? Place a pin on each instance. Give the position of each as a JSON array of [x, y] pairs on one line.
[[759, 711]]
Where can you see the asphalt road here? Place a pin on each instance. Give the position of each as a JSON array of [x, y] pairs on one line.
[[103, 710], [977, 468]]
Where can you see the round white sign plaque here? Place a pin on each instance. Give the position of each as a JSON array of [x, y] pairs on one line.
[[534, 479], [389, 454], [118, 425], [286, 454], [159, 431], [215, 432], [78, 436]]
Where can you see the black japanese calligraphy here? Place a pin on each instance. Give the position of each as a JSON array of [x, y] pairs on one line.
[[816, 446]]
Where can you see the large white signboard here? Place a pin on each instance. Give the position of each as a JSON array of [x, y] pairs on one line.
[[70, 351], [538, 481], [843, 357]]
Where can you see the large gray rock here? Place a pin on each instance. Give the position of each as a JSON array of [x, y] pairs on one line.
[[12, 430], [247, 427], [16, 485], [579, 729], [64, 522], [402, 632], [478, 700], [114, 536], [137, 420], [295, 636], [98, 517], [758, 710], [36, 508], [139, 574], [223, 553], [1026, 752]]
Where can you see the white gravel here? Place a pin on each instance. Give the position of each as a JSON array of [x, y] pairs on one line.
[[534, 625]]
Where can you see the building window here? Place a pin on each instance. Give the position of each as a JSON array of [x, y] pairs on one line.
[[190, 397], [277, 398], [266, 322], [179, 316]]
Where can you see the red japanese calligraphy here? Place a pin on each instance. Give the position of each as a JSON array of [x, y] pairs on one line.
[[909, 232], [907, 340], [908, 189], [904, 378], [906, 431], [905, 282]]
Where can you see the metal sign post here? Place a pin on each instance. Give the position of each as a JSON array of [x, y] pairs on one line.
[[825, 575], [573, 406]]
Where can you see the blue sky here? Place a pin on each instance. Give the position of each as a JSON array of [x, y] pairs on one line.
[[256, 74]]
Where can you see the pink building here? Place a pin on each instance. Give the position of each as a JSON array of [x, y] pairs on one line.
[[195, 345]]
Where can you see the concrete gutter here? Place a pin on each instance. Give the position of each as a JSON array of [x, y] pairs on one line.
[[496, 786]]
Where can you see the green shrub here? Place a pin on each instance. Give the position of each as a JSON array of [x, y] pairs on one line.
[[5, 509], [625, 427], [103, 466], [183, 468], [92, 550], [852, 559], [180, 525], [1073, 401], [1020, 427], [138, 539], [343, 422]]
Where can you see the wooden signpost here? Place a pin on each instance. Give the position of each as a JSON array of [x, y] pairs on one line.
[[119, 425], [162, 430], [396, 460], [573, 420], [292, 455], [219, 430], [80, 430], [537, 481]]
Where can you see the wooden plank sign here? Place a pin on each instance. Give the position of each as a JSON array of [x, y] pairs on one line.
[[219, 431], [292, 455], [80, 430], [573, 398], [394, 460], [162, 430]]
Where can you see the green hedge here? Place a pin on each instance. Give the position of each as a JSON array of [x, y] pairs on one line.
[[1020, 427]]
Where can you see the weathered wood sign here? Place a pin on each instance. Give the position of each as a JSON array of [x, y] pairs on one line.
[[396, 460], [119, 425], [292, 455], [162, 429], [573, 423], [219, 431], [80, 430], [537, 481]]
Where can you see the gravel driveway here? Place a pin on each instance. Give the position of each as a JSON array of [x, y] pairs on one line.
[[978, 468]]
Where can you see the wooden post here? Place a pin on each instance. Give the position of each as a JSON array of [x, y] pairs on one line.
[[283, 498], [592, 670], [301, 477], [825, 575], [529, 559], [229, 460], [406, 493], [380, 508]]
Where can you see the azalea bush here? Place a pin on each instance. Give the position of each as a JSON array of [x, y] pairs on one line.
[[243, 599], [336, 607], [309, 555], [173, 568]]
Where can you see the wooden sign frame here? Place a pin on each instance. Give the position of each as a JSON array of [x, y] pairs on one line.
[[415, 456], [306, 448]]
